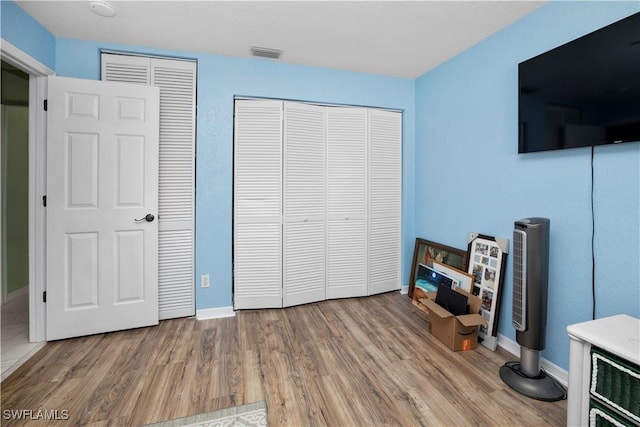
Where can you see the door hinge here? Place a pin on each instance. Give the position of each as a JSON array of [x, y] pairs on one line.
[[44, 296], [46, 105], [44, 201]]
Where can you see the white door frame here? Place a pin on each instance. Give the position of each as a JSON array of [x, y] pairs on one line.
[[37, 181]]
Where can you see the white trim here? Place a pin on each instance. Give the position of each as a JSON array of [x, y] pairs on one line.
[[550, 368], [147, 55], [404, 290], [37, 184], [556, 372], [215, 313], [320, 104], [25, 62], [37, 213], [509, 345]]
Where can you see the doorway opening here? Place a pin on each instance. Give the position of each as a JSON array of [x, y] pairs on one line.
[[14, 206]]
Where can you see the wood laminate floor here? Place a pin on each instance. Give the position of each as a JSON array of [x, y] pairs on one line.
[[351, 362]]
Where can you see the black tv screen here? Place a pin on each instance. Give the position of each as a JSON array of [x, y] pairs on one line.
[[583, 93]]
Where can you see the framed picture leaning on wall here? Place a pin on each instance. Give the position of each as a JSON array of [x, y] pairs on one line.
[[486, 261], [426, 251]]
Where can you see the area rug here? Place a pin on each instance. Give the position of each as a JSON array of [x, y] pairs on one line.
[[249, 415]]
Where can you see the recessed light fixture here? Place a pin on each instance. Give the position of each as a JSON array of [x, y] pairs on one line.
[[102, 8], [266, 52]]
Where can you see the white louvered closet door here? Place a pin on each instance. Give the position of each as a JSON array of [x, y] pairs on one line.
[[385, 200], [177, 82], [346, 202], [257, 204], [304, 204]]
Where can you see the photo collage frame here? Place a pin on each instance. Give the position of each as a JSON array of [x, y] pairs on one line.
[[486, 261]]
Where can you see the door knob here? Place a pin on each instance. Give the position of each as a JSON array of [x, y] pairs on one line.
[[147, 217]]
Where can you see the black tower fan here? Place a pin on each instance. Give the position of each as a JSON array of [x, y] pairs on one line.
[[530, 281]]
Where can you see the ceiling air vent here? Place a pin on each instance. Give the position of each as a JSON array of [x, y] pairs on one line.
[[265, 52]]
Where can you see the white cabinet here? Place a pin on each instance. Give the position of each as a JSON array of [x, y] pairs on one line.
[[604, 370], [317, 202]]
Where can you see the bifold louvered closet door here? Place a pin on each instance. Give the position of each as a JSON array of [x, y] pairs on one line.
[[303, 263], [346, 202], [311, 188], [257, 200], [384, 199], [176, 211]]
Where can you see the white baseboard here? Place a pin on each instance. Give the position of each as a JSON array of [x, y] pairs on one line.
[[550, 368], [18, 293], [404, 290], [215, 313], [509, 345]]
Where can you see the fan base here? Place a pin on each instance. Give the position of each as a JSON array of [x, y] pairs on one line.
[[542, 387]]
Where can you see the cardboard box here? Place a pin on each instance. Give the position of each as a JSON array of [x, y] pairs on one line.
[[456, 332]]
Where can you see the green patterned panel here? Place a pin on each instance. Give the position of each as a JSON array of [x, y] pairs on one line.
[[616, 383], [601, 416]]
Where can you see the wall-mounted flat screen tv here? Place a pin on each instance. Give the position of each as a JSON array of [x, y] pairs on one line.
[[583, 93]]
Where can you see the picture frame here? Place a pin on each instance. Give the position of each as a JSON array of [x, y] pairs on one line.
[[486, 260], [426, 251], [461, 279]]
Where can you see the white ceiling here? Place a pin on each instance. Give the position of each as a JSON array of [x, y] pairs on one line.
[[395, 38]]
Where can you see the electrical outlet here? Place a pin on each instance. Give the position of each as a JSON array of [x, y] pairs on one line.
[[204, 280]]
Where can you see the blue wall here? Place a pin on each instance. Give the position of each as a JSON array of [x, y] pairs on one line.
[[219, 80], [469, 177], [25, 33], [462, 172]]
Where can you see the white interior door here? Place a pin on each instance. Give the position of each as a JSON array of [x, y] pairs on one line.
[[102, 181], [176, 191], [385, 200], [304, 208], [257, 216], [346, 202]]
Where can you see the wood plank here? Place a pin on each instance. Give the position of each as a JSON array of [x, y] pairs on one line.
[[360, 361]]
